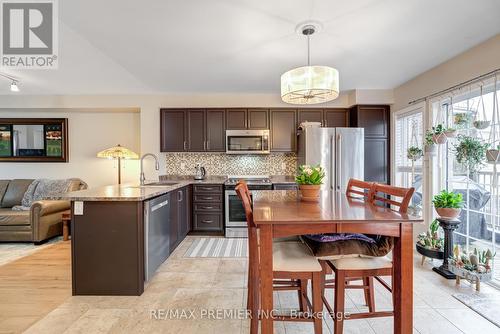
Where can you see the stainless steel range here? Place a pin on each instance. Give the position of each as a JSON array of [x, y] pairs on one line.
[[236, 223]]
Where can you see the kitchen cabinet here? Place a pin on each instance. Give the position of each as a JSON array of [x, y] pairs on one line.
[[195, 119], [258, 119], [179, 211], [208, 208], [309, 115], [236, 119], [283, 130], [215, 130], [330, 117], [173, 131], [375, 120], [247, 119]]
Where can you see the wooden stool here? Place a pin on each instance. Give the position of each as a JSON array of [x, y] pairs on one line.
[[66, 219]]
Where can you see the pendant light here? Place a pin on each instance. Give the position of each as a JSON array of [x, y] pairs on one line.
[[309, 84]]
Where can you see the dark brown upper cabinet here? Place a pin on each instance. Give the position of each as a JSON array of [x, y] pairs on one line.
[[283, 130], [236, 119], [375, 120], [34, 140], [193, 130], [327, 117], [216, 130], [309, 115], [173, 130], [258, 119], [196, 141]]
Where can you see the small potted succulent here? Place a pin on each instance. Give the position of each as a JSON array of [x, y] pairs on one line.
[[310, 179], [450, 132], [470, 152], [448, 204], [438, 134], [414, 153], [493, 154]]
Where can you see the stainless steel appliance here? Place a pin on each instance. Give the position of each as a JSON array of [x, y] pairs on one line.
[[247, 141], [236, 222], [340, 151], [199, 172], [156, 233]]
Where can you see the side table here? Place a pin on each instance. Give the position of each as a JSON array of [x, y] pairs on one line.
[[448, 225]]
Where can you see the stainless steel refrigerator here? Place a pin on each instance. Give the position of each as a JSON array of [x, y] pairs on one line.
[[340, 151]]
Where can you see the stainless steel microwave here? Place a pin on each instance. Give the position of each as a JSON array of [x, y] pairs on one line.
[[247, 141]]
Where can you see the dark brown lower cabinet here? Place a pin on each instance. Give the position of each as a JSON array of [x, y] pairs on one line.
[[208, 208], [180, 208]]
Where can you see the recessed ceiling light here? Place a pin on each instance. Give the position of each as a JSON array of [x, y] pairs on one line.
[[14, 87]]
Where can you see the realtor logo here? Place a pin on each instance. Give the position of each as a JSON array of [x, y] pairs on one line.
[[29, 34]]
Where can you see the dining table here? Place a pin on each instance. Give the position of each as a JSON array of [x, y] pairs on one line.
[[282, 213]]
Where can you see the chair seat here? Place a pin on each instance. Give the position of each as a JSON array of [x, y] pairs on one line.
[[294, 257], [361, 263]]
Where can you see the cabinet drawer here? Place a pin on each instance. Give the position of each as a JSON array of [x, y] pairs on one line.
[[207, 222], [207, 207], [207, 188], [208, 198]]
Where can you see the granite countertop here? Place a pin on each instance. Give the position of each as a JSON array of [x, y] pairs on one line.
[[210, 179]]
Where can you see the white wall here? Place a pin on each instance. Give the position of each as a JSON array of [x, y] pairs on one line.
[[89, 133]]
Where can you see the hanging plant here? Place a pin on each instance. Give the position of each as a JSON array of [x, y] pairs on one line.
[[493, 154], [430, 146], [470, 152], [450, 132], [438, 134], [462, 119], [481, 123], [414, 153]]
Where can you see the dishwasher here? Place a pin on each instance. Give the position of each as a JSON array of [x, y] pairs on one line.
[[156, 233]]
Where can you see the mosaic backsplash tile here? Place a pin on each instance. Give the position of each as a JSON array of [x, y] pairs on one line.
[[226, 164]]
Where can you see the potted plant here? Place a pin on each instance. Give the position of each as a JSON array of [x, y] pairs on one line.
[[475, 267], [430, 244], [438, 134], [481, 125], [430, 146], [461, 119], [448, 204], [310, 179], [471, 153], [450, 132], [493, 154], [414, 153]]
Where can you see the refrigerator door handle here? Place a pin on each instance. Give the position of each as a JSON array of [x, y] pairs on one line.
[[339, 162], [332, 163]]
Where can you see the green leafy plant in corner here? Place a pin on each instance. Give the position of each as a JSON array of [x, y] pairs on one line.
[[448, 199], [470, 152], [310, 175]]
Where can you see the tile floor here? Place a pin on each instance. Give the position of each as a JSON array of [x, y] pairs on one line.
[[198, 284]]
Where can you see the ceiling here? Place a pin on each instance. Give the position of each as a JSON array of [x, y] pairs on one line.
[[243, 46]]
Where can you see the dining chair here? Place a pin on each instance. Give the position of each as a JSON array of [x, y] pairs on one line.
[[292, 262], [367, 267]]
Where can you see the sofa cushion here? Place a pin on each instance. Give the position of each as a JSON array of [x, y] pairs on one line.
[[9, 217], [3, 188], [15, 192]]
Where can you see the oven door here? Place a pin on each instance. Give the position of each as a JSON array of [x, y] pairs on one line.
[[235, 213], [247, 141]]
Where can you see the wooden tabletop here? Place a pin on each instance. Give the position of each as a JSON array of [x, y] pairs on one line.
[[285, 206]]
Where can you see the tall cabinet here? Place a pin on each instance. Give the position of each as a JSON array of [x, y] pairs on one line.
[[375, 120]]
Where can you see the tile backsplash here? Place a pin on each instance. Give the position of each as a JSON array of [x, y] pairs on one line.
[[226, 164]]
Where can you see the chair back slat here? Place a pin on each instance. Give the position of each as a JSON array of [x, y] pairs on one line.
[[361, 188], [404, 194]]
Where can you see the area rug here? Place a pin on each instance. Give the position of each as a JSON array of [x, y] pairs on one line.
[[218, 247], [486, 306], [11, 251]]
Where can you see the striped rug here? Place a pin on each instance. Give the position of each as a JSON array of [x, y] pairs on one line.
[[218, 247]]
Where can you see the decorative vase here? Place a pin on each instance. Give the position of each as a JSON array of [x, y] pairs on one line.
[[439, 138], [309, 192], [448, 213], [492, 155]]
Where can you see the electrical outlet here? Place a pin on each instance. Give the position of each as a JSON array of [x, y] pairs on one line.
[[183, 165], [283, 166]]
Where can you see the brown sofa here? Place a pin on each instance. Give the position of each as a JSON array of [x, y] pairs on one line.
[[41, 222]]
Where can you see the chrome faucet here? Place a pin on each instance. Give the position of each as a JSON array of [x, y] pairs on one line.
[[157, 166]]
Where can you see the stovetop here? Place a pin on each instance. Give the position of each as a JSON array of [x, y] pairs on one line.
[[253, 181]]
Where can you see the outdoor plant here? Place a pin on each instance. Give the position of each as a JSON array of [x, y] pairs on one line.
[[310, 175], [448, 199], [414, 153], [470, 152]]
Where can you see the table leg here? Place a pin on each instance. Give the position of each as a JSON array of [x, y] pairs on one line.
[[403, 280], [266, 278], [65, 230]]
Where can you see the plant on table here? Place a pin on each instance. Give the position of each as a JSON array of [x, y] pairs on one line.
[[470, 152], [448, 204], [310, 179]]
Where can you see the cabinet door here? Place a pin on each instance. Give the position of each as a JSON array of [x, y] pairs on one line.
[[283, 130], [184, 211], [174, 220], [216, 130], [172, 130], [376, 160], [309, 115], [236, 119], [258, 119], [336, 118], [374, 119], [195, 130]]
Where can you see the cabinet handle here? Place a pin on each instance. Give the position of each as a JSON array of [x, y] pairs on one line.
[[185, 145], [207, 221], [204, 145], [207, 207], [208, 197], [325, 122], [180, 196], [207, 188], [208, 145]]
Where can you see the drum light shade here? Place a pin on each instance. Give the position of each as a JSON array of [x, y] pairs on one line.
[[310, 85]]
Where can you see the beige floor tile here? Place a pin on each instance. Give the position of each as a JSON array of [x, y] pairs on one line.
[[58, 320], [167, 279], [230, 280], [239, 265], [97, 321], [469, 322], [190, 265]]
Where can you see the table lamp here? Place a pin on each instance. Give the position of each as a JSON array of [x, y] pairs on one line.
[[118, 152]]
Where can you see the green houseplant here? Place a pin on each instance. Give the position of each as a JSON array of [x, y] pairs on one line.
[[429, 145], [438, 134], [470, 152], [414, 153], [448, 204], [310, 179]]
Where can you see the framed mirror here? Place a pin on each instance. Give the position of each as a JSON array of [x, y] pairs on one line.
[[33, 140]]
